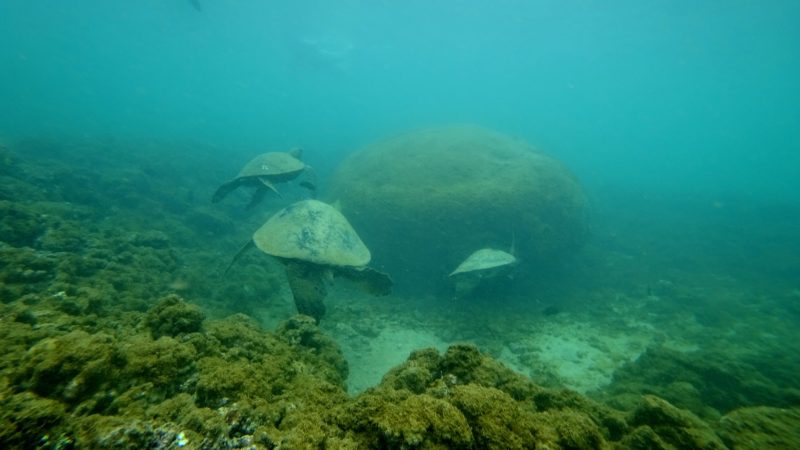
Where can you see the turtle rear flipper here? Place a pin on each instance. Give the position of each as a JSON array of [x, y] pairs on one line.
[[307, 283], [225, 189], [311, 188], [250, 244], [310, 181], [368, 279], [258, 195]]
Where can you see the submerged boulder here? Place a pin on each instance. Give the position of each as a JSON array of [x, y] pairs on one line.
[[425, 200]]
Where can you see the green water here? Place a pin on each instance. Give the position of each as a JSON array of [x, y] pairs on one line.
[[679, 121]]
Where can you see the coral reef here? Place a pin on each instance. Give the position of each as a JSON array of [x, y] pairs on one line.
[[666, 424], [229, 384], [489, 405], [128, 389], [761, 427], [703, 382], [118, 331]]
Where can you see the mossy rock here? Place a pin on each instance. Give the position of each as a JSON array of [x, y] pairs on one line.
[[421, 418], [26, 420], [496, 419], [761, 427], [425, 200], [172, 316], [20, 225], [71, 368], [164, 362], [677, 427], [465, 399], [305, 337]]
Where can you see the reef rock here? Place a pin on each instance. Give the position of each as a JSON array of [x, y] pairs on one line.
[[761, 427]]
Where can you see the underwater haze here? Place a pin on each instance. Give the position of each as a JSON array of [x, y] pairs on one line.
[[681, 95], [478, 224]]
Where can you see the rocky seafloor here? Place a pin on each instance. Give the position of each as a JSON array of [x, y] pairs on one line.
[[119, 330]]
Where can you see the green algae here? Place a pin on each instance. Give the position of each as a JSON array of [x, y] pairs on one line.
[[495, 407], [496, 419], [703, 382], [172, 317], [761, 427], [676, 427], [26, 419], [233, 384], [230, 383], [423, 418], [20, 225], [73, 367], [134, 388]]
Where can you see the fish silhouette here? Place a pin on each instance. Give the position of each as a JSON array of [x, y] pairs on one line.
[[196, 4]]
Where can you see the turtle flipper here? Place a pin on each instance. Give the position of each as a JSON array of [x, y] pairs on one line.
[[310, 181], [269, 185], [307, 283], [368, 279], [250, 244], [225, 189], [296, 152], [258, 195]]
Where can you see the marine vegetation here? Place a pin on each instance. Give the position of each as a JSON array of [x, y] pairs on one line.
[[119, 330]]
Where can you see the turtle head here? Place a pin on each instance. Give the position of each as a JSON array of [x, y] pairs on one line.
[[296, 152]]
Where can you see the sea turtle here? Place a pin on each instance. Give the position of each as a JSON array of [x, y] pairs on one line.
[[483, 264], [316, 242], [266, 169]]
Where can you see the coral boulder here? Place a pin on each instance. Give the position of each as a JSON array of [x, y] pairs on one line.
[[425, 200]]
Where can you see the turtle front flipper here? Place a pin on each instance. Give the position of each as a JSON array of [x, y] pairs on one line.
[[225, 189], [265, 181], [368, 279]]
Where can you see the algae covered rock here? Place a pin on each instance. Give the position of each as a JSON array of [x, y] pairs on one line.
[[20, 225], [465, 399], [172, 316], [761, 427], [25, 418], [704, 382], [303, 334], [425, 200], [676, 427], [72, 367], [421, 418], [497, 421]]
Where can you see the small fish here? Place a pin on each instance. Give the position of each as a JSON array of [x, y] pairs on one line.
[[196, 4]]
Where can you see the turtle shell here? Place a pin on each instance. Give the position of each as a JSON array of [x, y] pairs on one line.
[[312, 231], [272, 164], [485, 258]]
